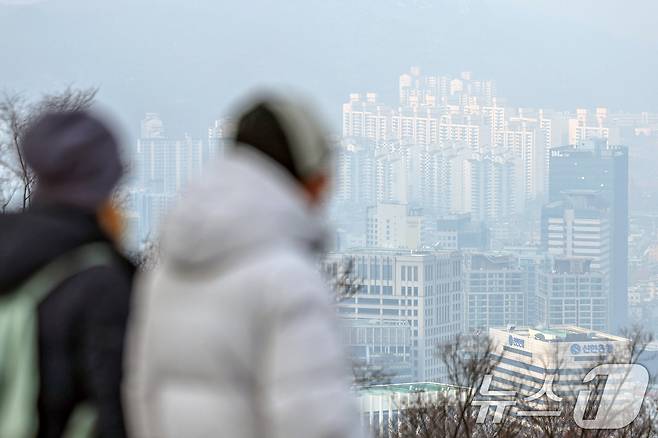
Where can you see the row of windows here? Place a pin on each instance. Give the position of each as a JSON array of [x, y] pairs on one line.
[[409, 273], [378, 311], [384, 301], [365, 268], [374, 289], [376, 272]]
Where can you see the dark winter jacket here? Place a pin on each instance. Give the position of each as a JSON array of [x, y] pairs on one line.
[[81, 323]]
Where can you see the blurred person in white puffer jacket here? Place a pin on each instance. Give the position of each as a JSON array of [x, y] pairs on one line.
[[233, 334]]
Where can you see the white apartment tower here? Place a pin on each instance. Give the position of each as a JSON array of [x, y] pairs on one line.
[[585, 126], [365, 118], [494, 185]]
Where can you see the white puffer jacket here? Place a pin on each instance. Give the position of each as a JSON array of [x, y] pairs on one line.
[[233, 335]]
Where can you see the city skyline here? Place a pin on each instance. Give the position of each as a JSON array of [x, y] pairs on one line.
[[385, 217], [450, 170]]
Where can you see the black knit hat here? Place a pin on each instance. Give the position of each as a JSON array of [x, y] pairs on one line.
[[75, 158]]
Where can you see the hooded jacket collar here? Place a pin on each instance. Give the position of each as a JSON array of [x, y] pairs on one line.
[[243, 205]]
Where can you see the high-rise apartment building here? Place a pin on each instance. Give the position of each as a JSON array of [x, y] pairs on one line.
[[393, 175], [355, 174], [586, 126], [219, 132], [366, 118], [445, 179], [164, 166], [434, 126], [494, 186], [417, 89]]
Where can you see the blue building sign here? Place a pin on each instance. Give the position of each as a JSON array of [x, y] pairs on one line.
[[577, 349], [516, 342]]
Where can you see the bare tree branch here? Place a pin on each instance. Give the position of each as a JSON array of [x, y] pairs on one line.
[[468, 360], [16, 115]]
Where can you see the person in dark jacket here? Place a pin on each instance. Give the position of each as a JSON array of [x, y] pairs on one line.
[[81, 322]]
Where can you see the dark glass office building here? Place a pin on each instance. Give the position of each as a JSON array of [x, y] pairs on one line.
[[595, 165]]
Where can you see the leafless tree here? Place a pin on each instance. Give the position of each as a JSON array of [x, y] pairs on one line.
[[469, 360], [564, 425], [17, 113], [344, 285], [466, 361], [343, 281]]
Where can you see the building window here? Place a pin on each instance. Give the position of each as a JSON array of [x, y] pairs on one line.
[[374, 271], [387, 271]]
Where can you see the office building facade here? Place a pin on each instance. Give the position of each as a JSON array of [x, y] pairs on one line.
[[422, 289], [493, 292], [594, 165]]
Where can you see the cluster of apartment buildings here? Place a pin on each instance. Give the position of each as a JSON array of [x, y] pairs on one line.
[[163, 165], [460, 147], [426, 196], [431, 181]]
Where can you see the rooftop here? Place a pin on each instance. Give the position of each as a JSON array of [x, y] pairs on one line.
[[560, 334], [391, 252], [408, 388]]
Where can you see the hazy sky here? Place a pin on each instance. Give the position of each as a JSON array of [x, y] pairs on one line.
[[189, 59]]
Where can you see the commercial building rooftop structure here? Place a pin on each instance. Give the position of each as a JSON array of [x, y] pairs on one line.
[[526, 357]]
